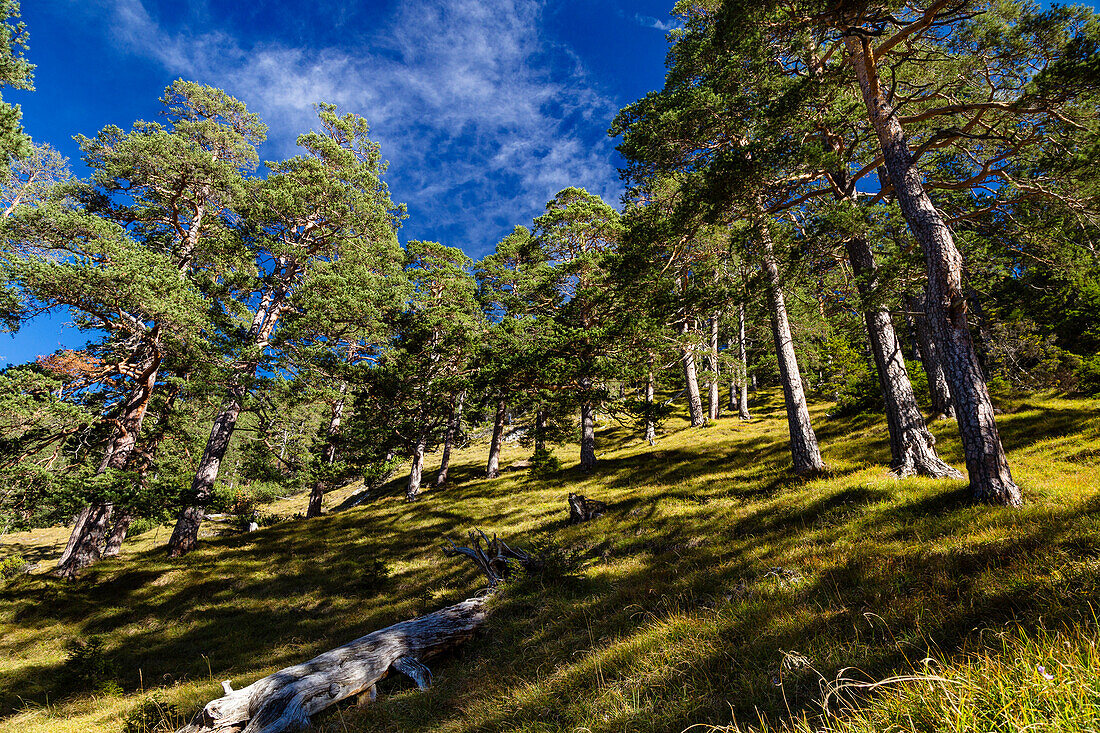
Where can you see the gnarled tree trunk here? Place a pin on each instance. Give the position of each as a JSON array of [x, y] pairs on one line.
[[986, 464], [912, 446], [453, 423], [804, 451], [90, 531], [492, 469], [287, 700]]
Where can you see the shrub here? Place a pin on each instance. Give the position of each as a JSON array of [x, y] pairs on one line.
[[153, 715], [262, 519], [141, 525], [556, 562], [88, 666], [853, 381], [376, 474], [11, 566], [1025, 359], [1088, 375], [543, 462]]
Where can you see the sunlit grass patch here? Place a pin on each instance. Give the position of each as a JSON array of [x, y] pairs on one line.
[[681, 605]]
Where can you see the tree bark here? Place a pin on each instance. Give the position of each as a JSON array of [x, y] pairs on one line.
[[492, 468], [84, 547], [185, 535], [912, 446], [714, 398], [122, 519], [743, 357], [650, 418], [588, 436], [317, 495], [453, 424], [416, 470], [938, 390], [76, 534], [804, 450], [691, 383], [989, 474]]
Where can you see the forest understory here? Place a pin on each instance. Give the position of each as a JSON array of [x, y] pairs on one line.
[[717, 590]]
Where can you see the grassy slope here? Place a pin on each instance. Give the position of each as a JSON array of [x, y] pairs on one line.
[[675, 619]]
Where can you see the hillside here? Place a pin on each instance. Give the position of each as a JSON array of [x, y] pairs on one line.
[[716, 588]]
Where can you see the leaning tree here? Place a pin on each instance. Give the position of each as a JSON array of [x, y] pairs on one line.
[[310, 212]]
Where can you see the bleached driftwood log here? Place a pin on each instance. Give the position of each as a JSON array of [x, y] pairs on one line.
[[286, 700]]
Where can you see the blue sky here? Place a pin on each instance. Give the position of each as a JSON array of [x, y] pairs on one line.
[[484, 108]]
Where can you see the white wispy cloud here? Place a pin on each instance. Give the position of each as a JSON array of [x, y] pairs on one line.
[[482, 117], [655, 23]]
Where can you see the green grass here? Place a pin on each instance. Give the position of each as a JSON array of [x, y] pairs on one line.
[[714, 576]]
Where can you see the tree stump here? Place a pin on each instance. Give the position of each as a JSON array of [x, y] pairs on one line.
[[582, 509]]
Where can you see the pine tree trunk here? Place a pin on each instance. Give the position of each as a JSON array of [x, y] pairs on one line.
[[316, 497], [989, 474], [336, 416], [713, 396], [804, 450], [416, 470], [588, 436], [122, 519], [650, 417], [75, 535], [449, 438], [743, 356], [912, 446], [938, 390], [90, 536], [185, 535], [492, 469], [691, 384], [85, 545]]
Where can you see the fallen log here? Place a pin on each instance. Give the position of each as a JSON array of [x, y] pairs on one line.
[[286, 700]]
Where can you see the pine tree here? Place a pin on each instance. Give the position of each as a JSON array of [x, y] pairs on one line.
[[311, 210]]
